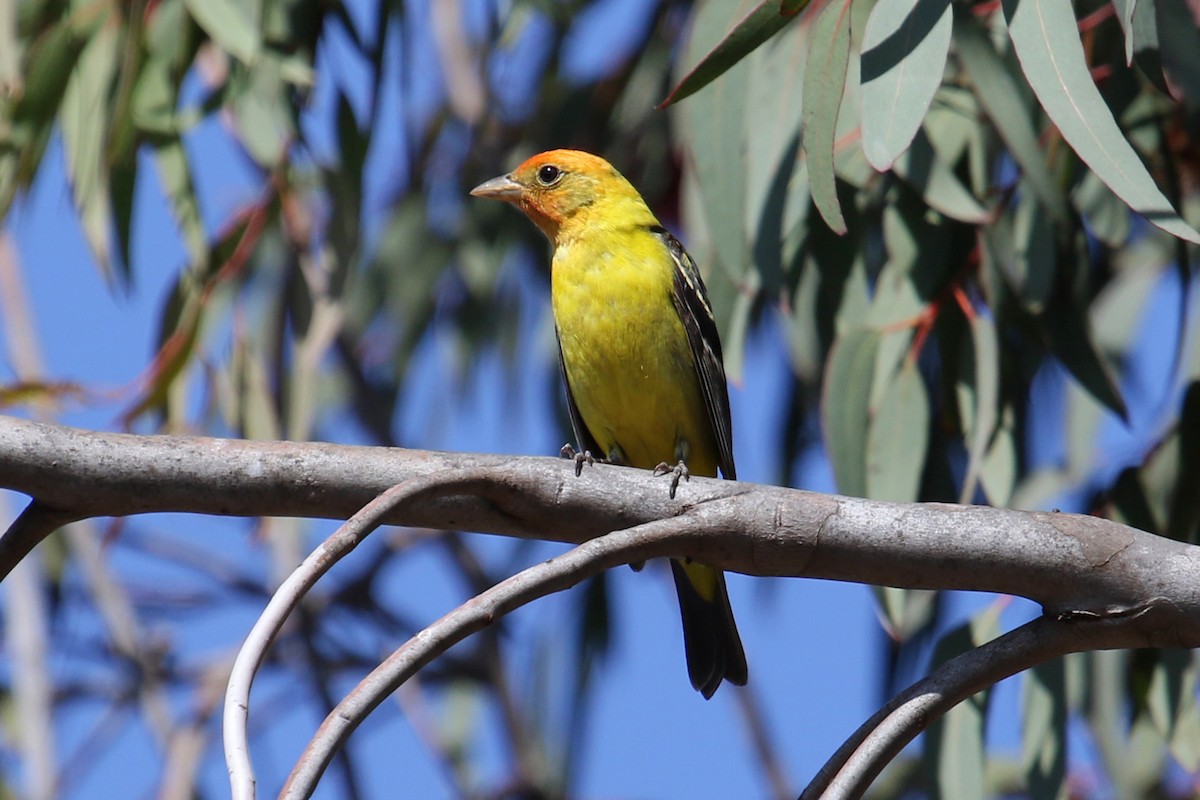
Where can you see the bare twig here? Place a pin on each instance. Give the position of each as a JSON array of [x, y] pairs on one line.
[[292, 591], [33, 695], [859, 760], [650, 540]]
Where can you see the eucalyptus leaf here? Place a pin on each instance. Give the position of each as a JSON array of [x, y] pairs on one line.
[[1044, 730], [903, 57], [824, 84], [762, 20], [898, 438], [1001, 98], [1046, 38], [85, 126], [849, 372]]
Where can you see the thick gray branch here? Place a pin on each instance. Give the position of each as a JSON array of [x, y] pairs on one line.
[[1076, 566]]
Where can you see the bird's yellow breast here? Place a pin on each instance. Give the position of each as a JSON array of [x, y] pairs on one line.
[[628, 362]]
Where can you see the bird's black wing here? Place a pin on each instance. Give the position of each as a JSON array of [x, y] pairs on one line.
[[691, 301], [584, 439]]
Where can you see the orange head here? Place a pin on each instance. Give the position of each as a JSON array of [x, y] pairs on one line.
[[563, 191]]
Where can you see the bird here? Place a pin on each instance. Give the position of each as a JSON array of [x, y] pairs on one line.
[[640, 357]]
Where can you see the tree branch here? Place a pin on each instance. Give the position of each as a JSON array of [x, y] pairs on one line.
[[254, 650], [877, 741], [650, 540], [1075, 566]]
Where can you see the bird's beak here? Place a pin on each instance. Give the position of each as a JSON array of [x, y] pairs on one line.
[[502, 188]]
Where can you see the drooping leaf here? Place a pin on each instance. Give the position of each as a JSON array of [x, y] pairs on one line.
[[904, 612], [1070, 338], [777, 197], [1046, 40], [904, 51], [980, 370], [231, 25], [1044, 730], [1144, 43], [848, 377], [1000, 97], [1035, 254], [898, 438], [763, 20], [1179, 38], [922, 168], [998, 473], [1107, 216], [174, 172], [1171, 704], [1183, 523], [716, 123], [85, 126], [824, 84]]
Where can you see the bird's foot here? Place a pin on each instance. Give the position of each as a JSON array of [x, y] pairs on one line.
[[677, 472], [580, 459]]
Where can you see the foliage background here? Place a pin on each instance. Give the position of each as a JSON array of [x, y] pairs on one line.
[[251, 220]]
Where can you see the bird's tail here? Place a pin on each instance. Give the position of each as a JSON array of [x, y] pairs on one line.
[[710, 637]]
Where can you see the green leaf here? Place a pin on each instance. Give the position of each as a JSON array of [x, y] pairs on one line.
[[904, 51], [1179, 38], [85, 125], [230, 25], [905, 612], [1001, 98], [1183, 523], [998, 473], [824, 84], [763, 21], [1108, 218], [917, 244], [777, 196], [981, 370], [1171, 704], [1046, 39], [1146, 53], [175, 173], [922, 168], [735, 333], [1070, 335], [1035, 257], [1044, 730], [263, 113], [11, 80], [898, 437], [848, 377], [716, 123]]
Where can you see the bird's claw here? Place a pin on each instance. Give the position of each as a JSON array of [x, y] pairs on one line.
[[676, 472], [580, 459]]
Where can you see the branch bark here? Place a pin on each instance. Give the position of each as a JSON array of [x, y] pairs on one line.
[[1075, 566]]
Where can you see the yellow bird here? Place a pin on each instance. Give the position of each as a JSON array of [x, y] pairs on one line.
[[640, 356]]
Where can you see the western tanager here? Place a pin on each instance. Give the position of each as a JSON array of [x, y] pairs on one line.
[[640, 357]]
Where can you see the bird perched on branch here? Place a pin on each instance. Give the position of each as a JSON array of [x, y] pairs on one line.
[[640, 356]]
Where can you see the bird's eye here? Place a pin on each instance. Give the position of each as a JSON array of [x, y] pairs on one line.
[[549, 175]]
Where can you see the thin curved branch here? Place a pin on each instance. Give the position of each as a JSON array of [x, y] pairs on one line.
[[254, 650], [650, 540], [32, 525], [852, 768]]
